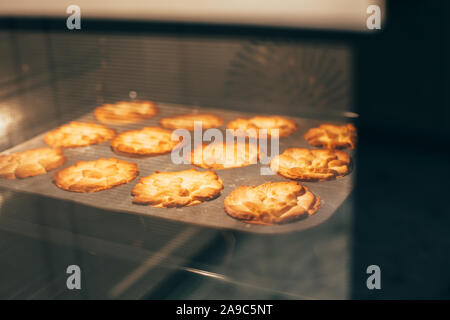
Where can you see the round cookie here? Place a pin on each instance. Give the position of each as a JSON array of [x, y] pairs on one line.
[[252, 126], [187, 121], [147, 141], [311, 164], [224, 155], [271, 203], [177, 188], [30, 163], [124, 112], [332, 136], [96, 175], [78, 134]]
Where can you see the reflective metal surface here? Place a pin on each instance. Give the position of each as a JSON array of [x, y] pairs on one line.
[[49, 77]]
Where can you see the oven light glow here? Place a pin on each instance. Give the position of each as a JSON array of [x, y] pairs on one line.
[[5, 121], [8, 118]]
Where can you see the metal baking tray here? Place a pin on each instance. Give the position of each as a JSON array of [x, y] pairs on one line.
[[210, 213]]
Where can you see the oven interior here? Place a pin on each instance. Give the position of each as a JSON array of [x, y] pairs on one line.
[[50, 76]]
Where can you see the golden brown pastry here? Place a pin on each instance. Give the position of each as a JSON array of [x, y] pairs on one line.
[[332, 136], [148, 141], [30, 163], [96, 175], [224, 156], [271, 203], [311, 164], [187, 121], [78, 134], [177, 188], [252, 126], [124, 112]]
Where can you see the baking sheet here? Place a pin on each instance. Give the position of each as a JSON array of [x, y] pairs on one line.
[[211, 213]]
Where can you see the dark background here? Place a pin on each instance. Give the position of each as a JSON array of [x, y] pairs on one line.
[[403, 222]]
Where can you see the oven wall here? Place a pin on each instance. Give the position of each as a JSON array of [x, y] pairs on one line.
[[49, 77]]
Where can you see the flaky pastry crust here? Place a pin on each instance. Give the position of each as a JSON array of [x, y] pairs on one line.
[[147, 141], [252, 126], [332, 136], [78, 134], [124, 112], [177, 188], [311, 164], [96, 175], [187, 121], [271, 203], [224, 155], [30, 163]]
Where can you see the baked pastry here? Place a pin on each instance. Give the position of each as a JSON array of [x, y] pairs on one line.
[[78, 134], [271, 203], [311, 164], [177, 188], [30, 163], [332, 136], [252, 126], [96, 175], [187, 121], [147, 141], [224, 155], [124, 112]]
